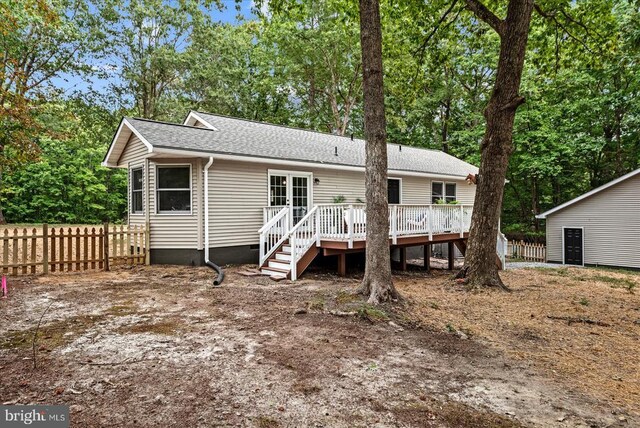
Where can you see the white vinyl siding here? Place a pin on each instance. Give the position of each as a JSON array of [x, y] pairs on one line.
[[134, 152], [611, 226], [239, 190]]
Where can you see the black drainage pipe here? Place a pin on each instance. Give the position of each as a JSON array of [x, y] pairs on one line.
[[220, 278]]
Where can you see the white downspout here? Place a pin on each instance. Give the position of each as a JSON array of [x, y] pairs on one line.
[[208, 262]]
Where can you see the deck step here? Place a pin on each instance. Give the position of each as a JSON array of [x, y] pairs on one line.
[[282, 256], [274, 272], [279, 264]]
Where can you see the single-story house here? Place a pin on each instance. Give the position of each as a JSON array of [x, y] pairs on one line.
[[599, 228], [240, 191]]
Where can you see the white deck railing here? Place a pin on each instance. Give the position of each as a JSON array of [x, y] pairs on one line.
[[303, 236], [274, 233], [341, 222], [349, 222]]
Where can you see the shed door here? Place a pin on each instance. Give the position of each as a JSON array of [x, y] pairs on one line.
[[573, 246], [393, 191]]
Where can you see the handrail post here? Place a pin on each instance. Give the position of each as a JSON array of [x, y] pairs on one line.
[[317, 219], [430, 223], [350, 226], [262, 248], [462, 221], [394, 224], [294, 262]]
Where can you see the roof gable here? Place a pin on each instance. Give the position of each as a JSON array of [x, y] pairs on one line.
[[120, 140], [589, 194]]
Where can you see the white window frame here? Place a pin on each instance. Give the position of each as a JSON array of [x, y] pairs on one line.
[[582, 234], [400, 189], [444, 190], [131, 170], [156, 189], [290, 173]]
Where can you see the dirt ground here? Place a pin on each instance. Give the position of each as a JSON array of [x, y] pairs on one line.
[[159, 346]]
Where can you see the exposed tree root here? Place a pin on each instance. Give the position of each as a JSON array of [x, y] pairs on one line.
[[378, 292], [478, 281]]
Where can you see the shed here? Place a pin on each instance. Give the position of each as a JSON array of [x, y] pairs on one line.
[[598, 228]]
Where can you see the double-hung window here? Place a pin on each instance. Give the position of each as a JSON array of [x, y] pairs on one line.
[[443, 192], [173, 189], [136, 191]]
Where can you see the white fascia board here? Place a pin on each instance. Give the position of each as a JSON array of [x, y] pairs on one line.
[[301, 164], [105, 161], [130, 127], [139, 135], [195, 116], [588, 194]]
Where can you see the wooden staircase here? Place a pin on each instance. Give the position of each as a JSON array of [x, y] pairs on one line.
[[278, 265]]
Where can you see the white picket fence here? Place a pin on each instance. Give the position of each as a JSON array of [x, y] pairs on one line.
[[530, 252]]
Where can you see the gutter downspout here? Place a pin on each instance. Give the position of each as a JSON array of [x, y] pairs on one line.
[[208, 262]]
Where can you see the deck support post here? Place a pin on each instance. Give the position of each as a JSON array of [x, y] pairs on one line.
[[342, 264], [451, 249], [427, 257], [403, 258]]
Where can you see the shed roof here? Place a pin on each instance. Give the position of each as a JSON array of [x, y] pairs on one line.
[[240, 137], [589, 194]]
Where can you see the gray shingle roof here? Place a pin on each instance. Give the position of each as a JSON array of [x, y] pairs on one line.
[[256, 139]]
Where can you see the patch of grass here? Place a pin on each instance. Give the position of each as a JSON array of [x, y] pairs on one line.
[[434, 305], [266, 422], [615, 270], [625, 283], [461, 415], [316, 304], [167, 328], [50, 336], [306, 388], [452, 414], [584, 301], [450, 328], [123, 309], [372, 313], [343, 297]]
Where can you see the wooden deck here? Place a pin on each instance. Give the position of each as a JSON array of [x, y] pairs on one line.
[[340, 248], [287, 249]]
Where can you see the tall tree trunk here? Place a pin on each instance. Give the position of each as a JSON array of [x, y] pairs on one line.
[[480, 268], [377, 282], [445, 125]]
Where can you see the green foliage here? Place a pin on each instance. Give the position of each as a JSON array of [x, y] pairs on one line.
[[299, 64], [339, 199], [67, 184]]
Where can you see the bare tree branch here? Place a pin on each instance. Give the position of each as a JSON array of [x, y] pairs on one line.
[[484, 14], [423, 47]]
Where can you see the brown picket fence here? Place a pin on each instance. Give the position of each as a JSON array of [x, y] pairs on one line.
[[43, 249]]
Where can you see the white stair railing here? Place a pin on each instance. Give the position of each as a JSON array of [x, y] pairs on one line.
[[273, 234], [302, 237], [501, 248]]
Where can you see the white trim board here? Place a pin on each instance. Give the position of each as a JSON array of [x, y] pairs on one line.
[[399, 187], [588, 194], [124, 122], [300, 164], [196, 117], [156, 211]]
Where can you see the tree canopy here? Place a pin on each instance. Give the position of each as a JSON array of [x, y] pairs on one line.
[[301, 66]]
